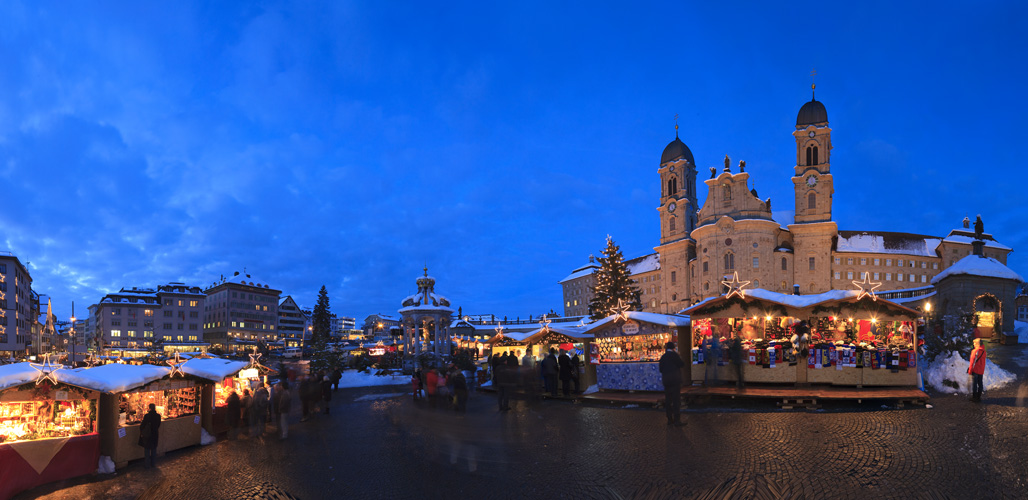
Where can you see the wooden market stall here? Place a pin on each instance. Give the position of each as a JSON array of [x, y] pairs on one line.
[[572, 339], [127, 391], [225, 376], [627, 349], [843, 337], [48, 428]]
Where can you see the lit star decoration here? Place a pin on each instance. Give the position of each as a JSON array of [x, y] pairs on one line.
[[46, 370], [499, 329], [620, 311], [544, 323], [735, 287], [175, 365], [256, 356], [867, 287], [91, 361]]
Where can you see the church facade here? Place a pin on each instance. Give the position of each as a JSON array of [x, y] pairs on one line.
[[733, 231]]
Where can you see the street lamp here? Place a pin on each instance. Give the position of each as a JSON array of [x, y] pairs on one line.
[[72, 338]]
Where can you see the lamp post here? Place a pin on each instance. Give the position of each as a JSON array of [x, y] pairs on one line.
[[71, 334]]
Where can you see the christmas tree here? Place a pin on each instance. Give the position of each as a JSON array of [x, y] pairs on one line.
[[613, 283], [323, 359]]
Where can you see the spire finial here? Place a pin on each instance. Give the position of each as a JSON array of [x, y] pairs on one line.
[[426, 269], [813, 73], [676, 125]]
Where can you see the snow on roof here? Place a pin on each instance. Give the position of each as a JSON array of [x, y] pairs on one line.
[[904, 300], [959, 238], [797, 301], [647, 317], [16, 374], [114, 377], [643, 264], [586, 271], [978, 266], [212, 368], [886, 242]]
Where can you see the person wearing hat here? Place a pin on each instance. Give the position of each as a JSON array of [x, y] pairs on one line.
[[671, 375]]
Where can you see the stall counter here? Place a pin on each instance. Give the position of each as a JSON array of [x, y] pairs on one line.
[[27, 464], [122, 445], [629, 376]]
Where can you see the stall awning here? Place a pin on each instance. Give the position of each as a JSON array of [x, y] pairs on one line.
[[509, 338], [669, 320], [213, 369], [760, 303], [559, 334]]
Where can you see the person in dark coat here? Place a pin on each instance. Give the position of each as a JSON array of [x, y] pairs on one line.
[[671, 375], [260, 410], [148, 436], [245, 406], [564, 372], [326, 392], [232, 413], [494, 360], [506, 380], [736, 352], [576, 364], [336, 376], [549, 367], [460, 389]]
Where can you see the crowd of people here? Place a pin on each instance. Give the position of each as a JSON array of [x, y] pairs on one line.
[[271, 404], [442, 388]]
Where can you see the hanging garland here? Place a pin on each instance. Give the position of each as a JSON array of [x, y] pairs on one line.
[[556, 338], [750, 308]]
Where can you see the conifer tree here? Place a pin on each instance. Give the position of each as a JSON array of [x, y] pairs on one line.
[[613, 283], [322, 323]]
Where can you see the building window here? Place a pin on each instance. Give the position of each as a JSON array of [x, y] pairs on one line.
[[876, 276], [148, 312], [671, 224], [147, 333], [877, 261], [935, 265], [811, 201], [888, 276], [888, 262], [849, 261], [672, 186], [838, 261], [729, 261], [785, 264], [673, 277], [810, 155], [899, 276], [810, 263], [115, 322], [815, 155], [756, 262], [706, 267], [912, 278], [674, 296], [180, 326], [863, 261], [924, 279], [167, 314], [899, 262], [849, 275], [116, 333], [838, 275]]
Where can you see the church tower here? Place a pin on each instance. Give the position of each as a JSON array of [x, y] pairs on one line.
[[813, 179], [813, 228], [677, 211]]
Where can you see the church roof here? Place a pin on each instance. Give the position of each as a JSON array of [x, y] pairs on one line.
[[887, 242], [674, 150], [812, 113]]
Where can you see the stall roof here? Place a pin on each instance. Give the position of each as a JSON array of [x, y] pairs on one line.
[[17, 374], [114, 377], [516, 336], [575, 332], [797, 302], [674, 320], [212, 368]]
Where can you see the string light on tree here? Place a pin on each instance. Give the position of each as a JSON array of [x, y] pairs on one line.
[[735, 286], [613, 283], [867, 287], [46, 370]]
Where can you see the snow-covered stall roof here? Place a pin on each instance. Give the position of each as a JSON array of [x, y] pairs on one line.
[[212, 368], [673, 320], [515, 336], [16, 374], [796, 302], [978, 266], [114, 377], [573, 331], [887, 242]]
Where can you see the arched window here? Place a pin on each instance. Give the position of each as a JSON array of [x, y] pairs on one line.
[[729, 261], [671, 224], [812, 201], [809, 155], [672, 186], [785, 264], [815, 155]]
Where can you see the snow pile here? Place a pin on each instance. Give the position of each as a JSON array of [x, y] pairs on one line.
[[212, 368], [113, 377], [206, 438], [353, 378], [1021, 330], [106, 465], [951, 369], [592, 389]]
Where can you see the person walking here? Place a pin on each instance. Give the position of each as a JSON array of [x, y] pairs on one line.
[[977, 371], [326, 392], [576, 366], [507, 377], [430, 386], [148, 436], [246, 415], [285, 403], [260, 410], [337, 375], [711, 359], [550, 372], [530, 376], [671, 375], [460, 389], [415, 382], [232, 413], [564, 372], [736, 352]]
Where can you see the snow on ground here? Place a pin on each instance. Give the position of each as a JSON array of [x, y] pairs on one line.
[[592, 389], [1021, 330], [952, 367], [353, 378]]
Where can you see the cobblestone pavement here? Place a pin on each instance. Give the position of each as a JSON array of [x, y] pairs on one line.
[[378, 444]]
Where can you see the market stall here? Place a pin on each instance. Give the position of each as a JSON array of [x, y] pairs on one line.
[[628, 347], [47, 427], [127, 391], [844, 337], [508, 342], [227, 376], [572, 339]]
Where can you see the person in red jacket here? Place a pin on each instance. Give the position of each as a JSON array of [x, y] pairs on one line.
[[431, 381], [977, 370]]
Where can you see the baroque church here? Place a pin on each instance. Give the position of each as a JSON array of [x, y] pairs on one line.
[[733, 231]]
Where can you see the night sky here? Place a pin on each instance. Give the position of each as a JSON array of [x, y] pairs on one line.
[[349, 144]]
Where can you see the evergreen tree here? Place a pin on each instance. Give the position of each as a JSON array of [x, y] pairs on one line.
[[323, 359], [613, 283]]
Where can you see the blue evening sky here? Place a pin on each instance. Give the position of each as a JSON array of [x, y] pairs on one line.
[[349, 143]]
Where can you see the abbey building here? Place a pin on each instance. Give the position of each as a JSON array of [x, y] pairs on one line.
[[732, 230]]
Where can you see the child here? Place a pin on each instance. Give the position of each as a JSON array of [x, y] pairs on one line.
[[415, 381]]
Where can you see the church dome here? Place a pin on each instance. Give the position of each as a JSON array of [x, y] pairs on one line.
[[676, 149], [811, 113]]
